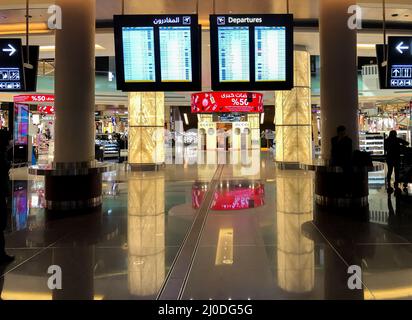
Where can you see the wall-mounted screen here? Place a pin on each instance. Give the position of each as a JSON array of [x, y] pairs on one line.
[[158, 53], [252, 52]]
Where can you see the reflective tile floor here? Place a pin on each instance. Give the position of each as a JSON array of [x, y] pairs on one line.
[[210, 231]]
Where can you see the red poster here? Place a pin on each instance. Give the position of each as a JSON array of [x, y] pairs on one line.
[[46, 109], [214, 102], [34, 98]]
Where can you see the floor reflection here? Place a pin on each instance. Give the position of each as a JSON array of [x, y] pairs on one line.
[[295, 252], [263, 238], [231, 195], [146, 235]]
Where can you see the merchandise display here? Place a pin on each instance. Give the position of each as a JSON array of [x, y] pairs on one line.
[[372, 143], [109, 146]]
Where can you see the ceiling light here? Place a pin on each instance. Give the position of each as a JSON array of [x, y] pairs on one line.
[[53, 48], [369, 46], [20, 28]]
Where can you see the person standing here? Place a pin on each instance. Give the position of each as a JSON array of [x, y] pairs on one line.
[[4, 193], [393, 146], [341, 154]]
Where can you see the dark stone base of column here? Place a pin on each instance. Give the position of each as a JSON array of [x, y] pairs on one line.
[[146, 167], [72, 193], [342, 189]]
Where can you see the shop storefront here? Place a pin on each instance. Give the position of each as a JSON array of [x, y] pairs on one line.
[[228, 120], [33, 129]]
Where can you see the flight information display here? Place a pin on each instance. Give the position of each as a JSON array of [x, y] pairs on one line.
[[175, 54], [234, 54], [251, 52], [158, 53], [270, 49], [138, 54]]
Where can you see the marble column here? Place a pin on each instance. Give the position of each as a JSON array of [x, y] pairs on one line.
[[293, 114], [146, 130]]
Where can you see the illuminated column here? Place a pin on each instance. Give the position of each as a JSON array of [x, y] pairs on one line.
[[146, 130], [146, 235], [295, 252], [254, 126], [339, 83], [293, 114]]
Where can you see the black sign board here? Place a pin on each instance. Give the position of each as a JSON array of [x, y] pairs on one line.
[[30, 74], [252, 52], [158, 52], [11, 66], [382, 67], [399, 72]]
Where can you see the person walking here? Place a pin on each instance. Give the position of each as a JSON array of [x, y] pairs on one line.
[[4, 193], [393, 146]]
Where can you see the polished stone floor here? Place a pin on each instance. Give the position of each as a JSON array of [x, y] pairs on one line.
[[209, 231]]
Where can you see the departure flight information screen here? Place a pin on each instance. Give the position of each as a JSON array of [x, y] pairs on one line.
[[175, 54], [251, 52], [139, 55], [270, 57], [158, 53], [234, 54]]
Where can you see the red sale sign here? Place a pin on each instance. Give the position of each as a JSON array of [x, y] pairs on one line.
[[34, 98], [211, 102], [46, 109]]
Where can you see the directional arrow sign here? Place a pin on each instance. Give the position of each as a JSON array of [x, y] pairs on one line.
[[10, 49], [400, 47], [399, 75], [11, 65]]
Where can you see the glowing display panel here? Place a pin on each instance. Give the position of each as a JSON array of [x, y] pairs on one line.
[[138, 54], [175, 54]]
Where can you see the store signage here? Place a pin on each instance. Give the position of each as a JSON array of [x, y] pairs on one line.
[[34, 98], [214, 102], [399, 72], [251, 52], [45, 109], [157, 53], [11, 66]]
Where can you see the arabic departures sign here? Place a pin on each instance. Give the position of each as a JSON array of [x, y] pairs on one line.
[[11, 66], [214, 102], [400, 63]]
